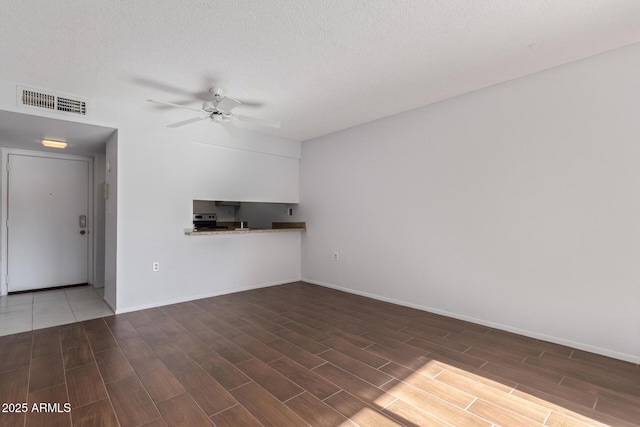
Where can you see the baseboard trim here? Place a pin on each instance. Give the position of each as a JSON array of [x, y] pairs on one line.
[[201, 296], [531, 334]]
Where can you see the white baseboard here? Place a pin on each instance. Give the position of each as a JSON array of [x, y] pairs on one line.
[[201, 296], [580, 346]]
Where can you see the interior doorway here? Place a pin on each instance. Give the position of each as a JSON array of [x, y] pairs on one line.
[[49, 221], [20, 132]]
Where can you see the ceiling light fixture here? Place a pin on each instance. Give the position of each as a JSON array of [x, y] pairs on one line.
[[54, 144]]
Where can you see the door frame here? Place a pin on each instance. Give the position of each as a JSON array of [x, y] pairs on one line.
[[4, 198]]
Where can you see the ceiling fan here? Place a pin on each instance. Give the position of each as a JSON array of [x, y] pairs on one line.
[[219, 110]]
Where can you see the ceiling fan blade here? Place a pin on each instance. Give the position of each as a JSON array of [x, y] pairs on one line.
[[186, 122], [227, 104], [184, 107], [165, 87], [233, 130], [257, 122]]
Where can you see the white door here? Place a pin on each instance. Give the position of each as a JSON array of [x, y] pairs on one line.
[[48, 202]]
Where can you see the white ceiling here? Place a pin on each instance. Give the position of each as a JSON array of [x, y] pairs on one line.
[[25, 131], [318, 66]]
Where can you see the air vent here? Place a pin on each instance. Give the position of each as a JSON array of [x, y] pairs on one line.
[[72, 106], [30, 97], [37, 99]]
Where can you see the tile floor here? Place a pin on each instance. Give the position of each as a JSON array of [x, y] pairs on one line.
[[302, 355], [37, 310]]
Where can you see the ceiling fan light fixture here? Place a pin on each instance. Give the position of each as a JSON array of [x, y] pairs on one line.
[[54, 144]]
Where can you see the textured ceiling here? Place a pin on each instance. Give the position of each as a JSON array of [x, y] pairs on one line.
[[318, 66]]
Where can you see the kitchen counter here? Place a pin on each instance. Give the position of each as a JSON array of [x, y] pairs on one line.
[[244, 231], [278, 227]]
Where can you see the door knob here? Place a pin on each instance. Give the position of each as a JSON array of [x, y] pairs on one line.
[[82, 232]]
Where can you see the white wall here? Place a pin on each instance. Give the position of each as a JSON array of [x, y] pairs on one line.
[[111, 223], [516, 206], [160, 172], [99, 176], [156, 174]]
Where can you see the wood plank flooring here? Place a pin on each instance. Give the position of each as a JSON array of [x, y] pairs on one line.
[[298, 355]]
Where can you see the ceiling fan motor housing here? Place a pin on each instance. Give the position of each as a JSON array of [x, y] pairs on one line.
[[217, 91], [208, 106]]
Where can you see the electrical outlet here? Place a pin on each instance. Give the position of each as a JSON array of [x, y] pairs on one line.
[[290, 211], [335, 256], [156, 266]]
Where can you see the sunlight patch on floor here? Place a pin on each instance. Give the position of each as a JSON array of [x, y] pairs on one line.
[[449, 394]]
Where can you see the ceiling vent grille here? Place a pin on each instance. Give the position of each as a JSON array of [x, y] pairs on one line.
[[29, 97], [37, 99], [72, 106]]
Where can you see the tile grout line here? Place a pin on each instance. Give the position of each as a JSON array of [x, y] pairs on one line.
[[93, 353], [26, 398], [64, 370], [381, 366], [382, 408], [471, 403], [268, 392], [238, 386], [66, 296], [384, 383], [33, 308], [172, 396], [438, 374], [514, 388], [284, 402], [361, 379], [333, 394], [226, 409]]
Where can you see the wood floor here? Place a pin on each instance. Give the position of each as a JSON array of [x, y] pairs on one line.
[[300, 354]]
